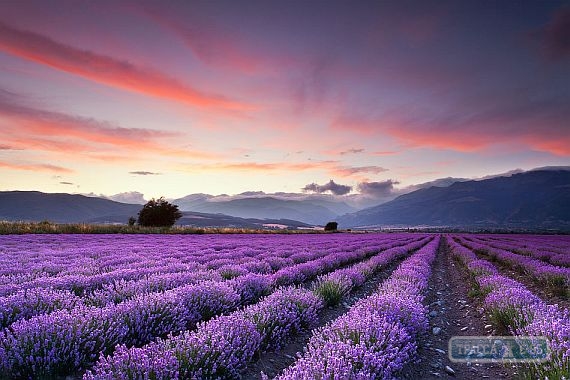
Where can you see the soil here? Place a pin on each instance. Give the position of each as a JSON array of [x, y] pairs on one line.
[[456, 314], [273, 363]]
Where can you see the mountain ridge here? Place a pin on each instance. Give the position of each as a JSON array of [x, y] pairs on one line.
[[534, 199], [308, 211], [35, 206]]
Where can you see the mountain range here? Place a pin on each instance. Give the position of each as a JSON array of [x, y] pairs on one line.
[[62, 208], [534, 199], [313, 210], [74, 208], [537, 199]]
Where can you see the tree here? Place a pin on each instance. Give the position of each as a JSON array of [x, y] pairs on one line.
[[132, 221], [158, 213], [331, 226]]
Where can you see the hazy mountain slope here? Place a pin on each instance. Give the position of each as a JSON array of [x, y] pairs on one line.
[[67, 208], [532, 199], [219, 220], [192, 202], [308, 211], [61, 208]]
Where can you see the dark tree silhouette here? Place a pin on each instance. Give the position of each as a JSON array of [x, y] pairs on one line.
[[331, 226], [158, 213], [132, 221]]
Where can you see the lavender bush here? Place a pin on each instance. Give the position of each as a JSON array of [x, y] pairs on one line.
[[152, 362], [332, 288], [27, 303]]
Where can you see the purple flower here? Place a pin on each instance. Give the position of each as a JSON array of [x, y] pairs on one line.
[[151, 362], [285, 312]]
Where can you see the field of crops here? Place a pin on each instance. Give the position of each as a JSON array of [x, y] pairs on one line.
[[322, 306]]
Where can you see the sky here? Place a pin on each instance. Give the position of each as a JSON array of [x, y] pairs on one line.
[[222, 97]]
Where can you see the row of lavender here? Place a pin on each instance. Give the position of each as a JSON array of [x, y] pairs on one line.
[[554, 249], [514, 307], [67, 341], [555, 277], [222, 347], [553, 243], [377, 336], [30, 302], [68, 263]]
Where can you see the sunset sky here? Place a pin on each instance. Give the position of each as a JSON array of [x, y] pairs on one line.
[[179, 97]]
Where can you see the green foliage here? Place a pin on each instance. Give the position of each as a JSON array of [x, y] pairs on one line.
[[509, 317], [556, 368], [558, 284], [158, 213], [229, 273], [331, 226], [19, 228], [132, 221], [331, 291]]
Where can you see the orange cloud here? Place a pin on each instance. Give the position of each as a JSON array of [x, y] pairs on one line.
[[35, 167], [34, 143], [66, 147], [536, 129], [344, 152], [347, 171], [29, 127], [331, 167], [560, 147], [218, 44], [211, 49], [385, 153], [467, 141], [454, 140], [107, 70], [261, 167]]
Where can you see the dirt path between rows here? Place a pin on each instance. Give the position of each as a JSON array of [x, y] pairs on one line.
[[455, 314], [273, 363]]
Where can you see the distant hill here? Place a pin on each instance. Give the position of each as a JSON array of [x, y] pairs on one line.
[[62, 208], [312, 211], [198, 219], [34, 206], [537, 199], [534, 199]]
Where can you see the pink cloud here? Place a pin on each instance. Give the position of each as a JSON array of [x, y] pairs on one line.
[[344, 152], [35, 167], [211, 47], [33, 128], [472, 126], [107, 70], [260, 167], [347, 171], [332, 167], [217, 44], [385, 152], [45, 144]]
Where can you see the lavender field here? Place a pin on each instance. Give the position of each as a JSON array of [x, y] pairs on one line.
[[307, 306]]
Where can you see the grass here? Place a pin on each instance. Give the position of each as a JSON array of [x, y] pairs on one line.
[[557, 283], [45, 227], [331, 291], [556, 368]]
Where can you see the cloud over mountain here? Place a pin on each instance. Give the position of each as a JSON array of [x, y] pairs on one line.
[[331, 186]]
